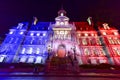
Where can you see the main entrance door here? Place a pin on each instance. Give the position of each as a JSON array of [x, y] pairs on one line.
[[61, 51]]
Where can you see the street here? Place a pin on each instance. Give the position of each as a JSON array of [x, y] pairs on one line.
[[56, 78]]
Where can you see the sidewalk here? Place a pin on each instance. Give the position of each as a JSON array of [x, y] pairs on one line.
[[15, 74]]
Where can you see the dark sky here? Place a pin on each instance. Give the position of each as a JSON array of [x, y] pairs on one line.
[[14, 11]]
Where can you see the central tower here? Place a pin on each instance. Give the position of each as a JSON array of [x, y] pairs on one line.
[[63, 39]]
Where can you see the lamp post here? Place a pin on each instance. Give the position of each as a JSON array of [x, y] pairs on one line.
[[74, 50], [48, 52]]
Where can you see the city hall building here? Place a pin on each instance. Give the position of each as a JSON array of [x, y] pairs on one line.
[[35, 42]]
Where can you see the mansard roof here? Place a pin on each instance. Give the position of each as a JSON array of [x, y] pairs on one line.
[[40, 26], [83, 26]]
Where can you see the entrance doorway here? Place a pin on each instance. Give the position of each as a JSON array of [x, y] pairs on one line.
[[61, 52]]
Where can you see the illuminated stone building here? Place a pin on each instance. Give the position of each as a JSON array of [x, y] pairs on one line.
[[34, 43]]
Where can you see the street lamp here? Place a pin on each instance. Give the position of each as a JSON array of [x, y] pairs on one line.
[[48, 52], [74, 50]]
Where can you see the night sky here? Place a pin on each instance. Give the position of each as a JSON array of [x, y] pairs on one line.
[[15, 11]]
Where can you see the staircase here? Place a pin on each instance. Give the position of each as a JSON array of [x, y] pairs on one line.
[[61, 65]]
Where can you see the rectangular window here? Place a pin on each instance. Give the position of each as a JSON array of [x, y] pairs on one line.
[[98, 42], [11, 40], [102, 61], [84, 41], [86, 51], [23, 51], [16, 40], [41, 34], [94, 61], [2, 58], [30, 60], [23, 59], [38, 60]]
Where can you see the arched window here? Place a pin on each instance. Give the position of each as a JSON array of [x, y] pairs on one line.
[[86, 51], [84, 41]]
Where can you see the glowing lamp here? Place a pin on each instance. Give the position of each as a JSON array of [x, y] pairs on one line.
[[38, 34], [11, 32], [92, 34], [115, 33], [61, 14], [21, 32], [44, 34], [86, 34], [104, 33], [31, 34]]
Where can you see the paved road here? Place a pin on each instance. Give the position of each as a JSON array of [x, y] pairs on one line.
[[56, 78]]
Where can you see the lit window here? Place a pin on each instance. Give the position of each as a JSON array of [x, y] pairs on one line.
[[86, 51], [116, 50], [118, 41], [86, 34], [94, 52], [30, 51], [23, 50], [57, 32], [11, 32], [38, 34], [57, 23], [66, 23], [104, 33], [61, 32], [23, 59], [84, 42], [31, 34], [2, 58], [102, 52], [21, 32], [98, 42], [102, 61], [66, 32], [79, 34], [31, 59], [110, 40], [38, 51], [94, 61], [38, 60], [62, 23]]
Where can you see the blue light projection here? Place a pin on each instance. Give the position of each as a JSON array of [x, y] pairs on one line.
[[24, 44], [12, 42], [34, 47]]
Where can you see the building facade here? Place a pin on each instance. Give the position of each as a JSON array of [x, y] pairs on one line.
[[33, 43]]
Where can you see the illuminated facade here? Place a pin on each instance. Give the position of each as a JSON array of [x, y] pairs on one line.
[[33, 43]]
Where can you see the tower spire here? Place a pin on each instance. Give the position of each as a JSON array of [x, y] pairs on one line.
[[35, 20], [61, 12], [62, 7]]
